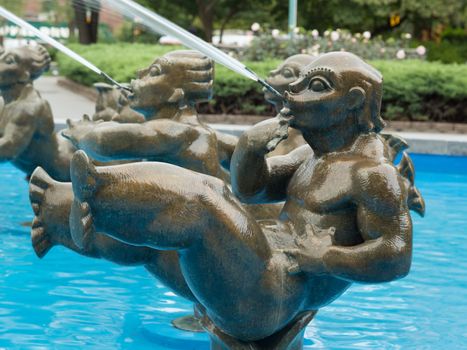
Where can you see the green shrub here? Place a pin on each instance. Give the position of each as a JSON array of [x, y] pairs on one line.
[[413, 89], [447, 52]]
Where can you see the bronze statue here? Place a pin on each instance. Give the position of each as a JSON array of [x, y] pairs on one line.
[[280, 78], [113, 105], [27, 137], [258, 283], [166, 94]]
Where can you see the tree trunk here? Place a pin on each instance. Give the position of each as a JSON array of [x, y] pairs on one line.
[[206, 15], [87, 21]]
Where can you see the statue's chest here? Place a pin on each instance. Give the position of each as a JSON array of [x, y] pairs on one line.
[[322, 186]]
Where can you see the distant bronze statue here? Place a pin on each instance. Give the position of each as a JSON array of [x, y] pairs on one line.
[[257, 284], [27, 137], [113, 105], [166, 94], [280, 78]]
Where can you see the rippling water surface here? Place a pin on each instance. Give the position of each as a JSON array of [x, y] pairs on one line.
[[66, 301]]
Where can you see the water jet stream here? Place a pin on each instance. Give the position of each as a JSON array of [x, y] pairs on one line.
[[49, 40]]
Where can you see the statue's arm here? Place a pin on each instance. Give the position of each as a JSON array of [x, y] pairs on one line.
[[226, 146], [111, 141], [384, 223], [16, 136], [257, 179]]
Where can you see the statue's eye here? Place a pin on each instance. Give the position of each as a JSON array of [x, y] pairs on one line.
[[318, 85], [10, 60], [155, 71], [288, 73]]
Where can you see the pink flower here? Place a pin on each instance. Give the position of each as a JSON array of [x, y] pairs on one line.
[[400, 54], [421, 50]]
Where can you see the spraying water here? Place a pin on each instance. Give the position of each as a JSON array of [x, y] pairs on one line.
[[52, 42], [161, 25]]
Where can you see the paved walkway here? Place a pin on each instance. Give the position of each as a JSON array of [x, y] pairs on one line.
[[65, 103]]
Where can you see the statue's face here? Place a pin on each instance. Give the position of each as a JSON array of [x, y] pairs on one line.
[[11, 71], [152, 89], [285, 74], [318, 99]]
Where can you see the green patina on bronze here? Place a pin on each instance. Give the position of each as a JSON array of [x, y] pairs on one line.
[[256, 283], [27, 136]]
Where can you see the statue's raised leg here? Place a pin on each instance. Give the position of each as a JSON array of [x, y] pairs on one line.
[[51, 201], [153, 204]]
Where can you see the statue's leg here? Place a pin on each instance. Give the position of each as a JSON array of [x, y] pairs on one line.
[[154, 204], [51, 201]]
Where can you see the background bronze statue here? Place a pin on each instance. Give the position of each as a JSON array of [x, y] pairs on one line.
[[280, 78], [27, 137], [258, 283], [166, 94]]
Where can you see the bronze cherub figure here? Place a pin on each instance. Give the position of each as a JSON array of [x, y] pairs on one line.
[[258, 283], [280, 78], [27, 136], [166, 94]]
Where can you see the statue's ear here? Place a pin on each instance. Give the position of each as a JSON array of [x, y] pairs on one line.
[[356, 98], [177, 96]]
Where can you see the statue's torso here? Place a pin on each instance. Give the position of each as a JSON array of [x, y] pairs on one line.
[[43, 148]]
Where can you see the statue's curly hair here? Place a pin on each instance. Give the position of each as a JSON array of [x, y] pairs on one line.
[[197, 70], [33, 59]]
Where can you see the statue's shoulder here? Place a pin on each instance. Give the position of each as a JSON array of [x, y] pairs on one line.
[[378, 180]]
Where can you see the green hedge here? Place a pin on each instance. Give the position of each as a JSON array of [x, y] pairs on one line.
[[413, 90]]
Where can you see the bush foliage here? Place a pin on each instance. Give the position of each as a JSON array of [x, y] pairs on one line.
[[413, 89]]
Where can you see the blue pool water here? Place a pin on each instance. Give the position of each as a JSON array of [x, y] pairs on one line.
[[66, 301]]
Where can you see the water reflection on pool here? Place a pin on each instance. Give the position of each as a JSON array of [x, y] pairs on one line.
[[66, 301]]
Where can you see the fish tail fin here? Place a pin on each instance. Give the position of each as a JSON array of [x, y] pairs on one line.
[[396, 145], [415, 199]]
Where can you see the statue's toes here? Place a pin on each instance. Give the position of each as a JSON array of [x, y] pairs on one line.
[[41, 241], [81, 223], [83, 176]]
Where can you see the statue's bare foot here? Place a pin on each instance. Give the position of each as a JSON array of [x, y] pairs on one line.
[[81, 224], [50, 202]]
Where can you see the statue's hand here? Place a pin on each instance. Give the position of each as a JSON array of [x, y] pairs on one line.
[[266, 135], [309, 254]]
